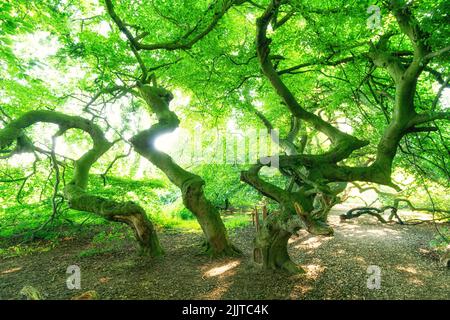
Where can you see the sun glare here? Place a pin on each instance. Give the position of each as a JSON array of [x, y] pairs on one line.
[[214, 272], [167, 142]]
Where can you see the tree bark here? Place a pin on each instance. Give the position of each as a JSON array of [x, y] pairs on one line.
[[296, 212], [75, 191], [191, 185], [271, 248], [129, 213]]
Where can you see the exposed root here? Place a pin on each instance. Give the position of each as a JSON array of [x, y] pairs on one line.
[[228, 251], [292, 268], [129, 213]]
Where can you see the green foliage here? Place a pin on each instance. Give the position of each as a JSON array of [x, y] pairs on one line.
[[222, 182], [236, 220], [23, 249], [185, 214], [58, 55], [105, 242], [439, 242]]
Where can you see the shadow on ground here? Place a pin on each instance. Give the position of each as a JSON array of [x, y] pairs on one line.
[[336, 267]]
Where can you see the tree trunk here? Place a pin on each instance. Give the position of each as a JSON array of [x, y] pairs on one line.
[[296, 212], [270, 248], [75, 191], [126, 212], [191, 185], [208, 217]]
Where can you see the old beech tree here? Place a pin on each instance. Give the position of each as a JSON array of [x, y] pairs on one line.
[[309, 63]]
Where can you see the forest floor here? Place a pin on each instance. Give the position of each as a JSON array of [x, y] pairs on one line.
[[336, 266]]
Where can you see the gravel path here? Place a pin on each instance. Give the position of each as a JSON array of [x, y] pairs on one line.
[[336, 267]]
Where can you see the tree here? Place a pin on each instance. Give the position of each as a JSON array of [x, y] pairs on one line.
[[75, 191], [157, 98], [324, 169], [312, 66]]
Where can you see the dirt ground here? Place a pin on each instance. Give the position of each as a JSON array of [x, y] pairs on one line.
[[336, 267]]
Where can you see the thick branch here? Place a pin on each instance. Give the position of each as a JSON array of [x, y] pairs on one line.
[[191, 185], [251, 176], [183, 42], [411, 27], [75, 191], [428, 117], [263, 51]]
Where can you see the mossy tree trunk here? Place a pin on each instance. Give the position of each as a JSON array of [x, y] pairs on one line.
[[76, 190], [313, 174], [129, 213], [297, 212], [271, 248], [158, 99], [191, 185]]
